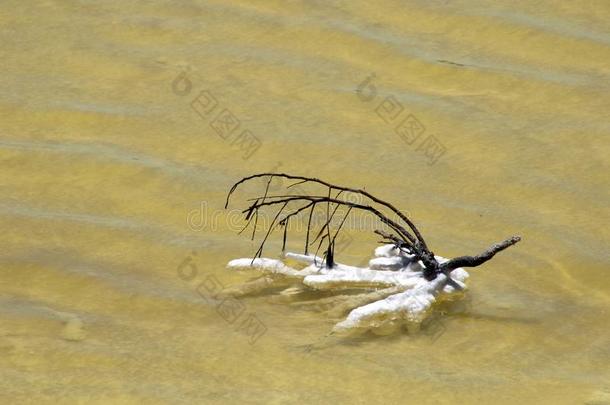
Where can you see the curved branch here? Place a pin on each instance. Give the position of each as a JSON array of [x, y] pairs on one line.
[[392, 224], [336, 187], [401, 237]]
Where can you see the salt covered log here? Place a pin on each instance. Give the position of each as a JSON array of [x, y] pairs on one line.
[[402, 294]]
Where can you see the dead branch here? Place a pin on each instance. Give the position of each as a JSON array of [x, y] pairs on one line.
[[473, 261], [405, 236], [335, 187]]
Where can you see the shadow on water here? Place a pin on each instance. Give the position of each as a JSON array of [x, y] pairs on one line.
[[429, 331]]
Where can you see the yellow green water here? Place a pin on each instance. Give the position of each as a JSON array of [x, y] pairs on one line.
[[102, 160]]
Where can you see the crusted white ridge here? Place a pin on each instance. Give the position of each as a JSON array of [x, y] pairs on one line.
[[390, 267]]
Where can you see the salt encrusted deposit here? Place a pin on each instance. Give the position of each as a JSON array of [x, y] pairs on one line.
[[394, 289]]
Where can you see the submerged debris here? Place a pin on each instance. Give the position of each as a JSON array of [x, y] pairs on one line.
[[395, 292], [401, 281]]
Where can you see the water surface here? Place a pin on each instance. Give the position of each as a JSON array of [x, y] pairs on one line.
[[103, 158]]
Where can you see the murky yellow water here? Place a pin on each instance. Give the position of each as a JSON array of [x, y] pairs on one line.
[[103, 157]]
